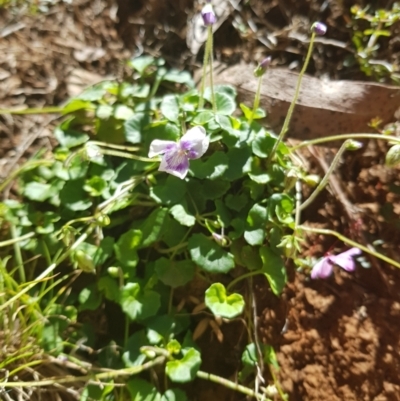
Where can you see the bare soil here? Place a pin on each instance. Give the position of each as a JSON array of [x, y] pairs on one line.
[[336, 339]]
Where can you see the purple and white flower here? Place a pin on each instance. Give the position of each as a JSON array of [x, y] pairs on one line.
[[208, 15], [324, 267], [176, 155], [319, 28]]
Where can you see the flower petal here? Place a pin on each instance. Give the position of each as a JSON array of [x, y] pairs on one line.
[[322, 269], [195, 142], [158, 147], [345, 259], [175, 163]]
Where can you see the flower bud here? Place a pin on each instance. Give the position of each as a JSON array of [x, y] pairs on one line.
[[351, 144], [208, 15], [262, 67], [393, 156], [319, 28]]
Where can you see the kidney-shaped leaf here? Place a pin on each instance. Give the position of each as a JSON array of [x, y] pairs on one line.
[[222, 305], [185, 369]]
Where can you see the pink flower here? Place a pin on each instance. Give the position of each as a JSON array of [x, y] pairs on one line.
[[324, 267], [176, 155]]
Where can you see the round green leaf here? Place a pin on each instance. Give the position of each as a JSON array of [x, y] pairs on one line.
[[224, 104], [185, 369], [274, 269], [209, 256], [222, 305], [174, 273], [182, 216], [174, 394], [170, 107], [255, 227], [137, 304]]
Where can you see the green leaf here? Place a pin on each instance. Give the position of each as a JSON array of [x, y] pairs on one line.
[[140, 64], [132, 356], [214, 167], [104, 111], [69, 138], [74, 197], [239, 163], [179, 77], [75, 105], [160, 328], [174, 394], [89, 298], [185, 369], [137, 304], [236, 202], [141, 390], [153, 227], [170, 193], [122, 112], [262, 144], [174, 273], [109, 287], [222, 305], [274, 269], [208, 255], [170, 108], [224, 104], [180, 214], [134, 126], [251, 257], [248, 113], [37, 191], [203, 117], [92, 94], [126, 248], [215, 189], [95, 186], [255, 227]]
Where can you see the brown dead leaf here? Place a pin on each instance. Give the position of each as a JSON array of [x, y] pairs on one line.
[[324, 107]]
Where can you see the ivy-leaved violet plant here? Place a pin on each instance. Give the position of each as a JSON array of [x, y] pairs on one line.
[[167, 204]]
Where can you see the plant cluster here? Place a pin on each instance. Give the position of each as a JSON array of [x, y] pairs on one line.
[[166, 204]]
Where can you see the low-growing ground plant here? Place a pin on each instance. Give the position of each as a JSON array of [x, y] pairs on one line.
[[159, 206]]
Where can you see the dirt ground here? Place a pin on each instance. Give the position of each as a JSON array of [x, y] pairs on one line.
[[336, 339]]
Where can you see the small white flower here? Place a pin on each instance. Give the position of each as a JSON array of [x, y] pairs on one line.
[[176, 155]]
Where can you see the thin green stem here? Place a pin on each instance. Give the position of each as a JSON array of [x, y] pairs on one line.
[[12, 241], [298, 205], [324, 181], [93, 378], [49, 269], [44, 110], [210, 57], [256, 99], [229, 384], [113, 146], [350, 242], [203, 77], [242, 277], [18, 255], [341, 137], [285, 126], [26, 167]]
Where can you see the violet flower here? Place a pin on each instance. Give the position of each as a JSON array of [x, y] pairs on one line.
[[319, 28], [324, 267], [176, 155], [262, 67], [208, 15]]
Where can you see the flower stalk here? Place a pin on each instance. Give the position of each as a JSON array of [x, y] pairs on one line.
[[317, 29]]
